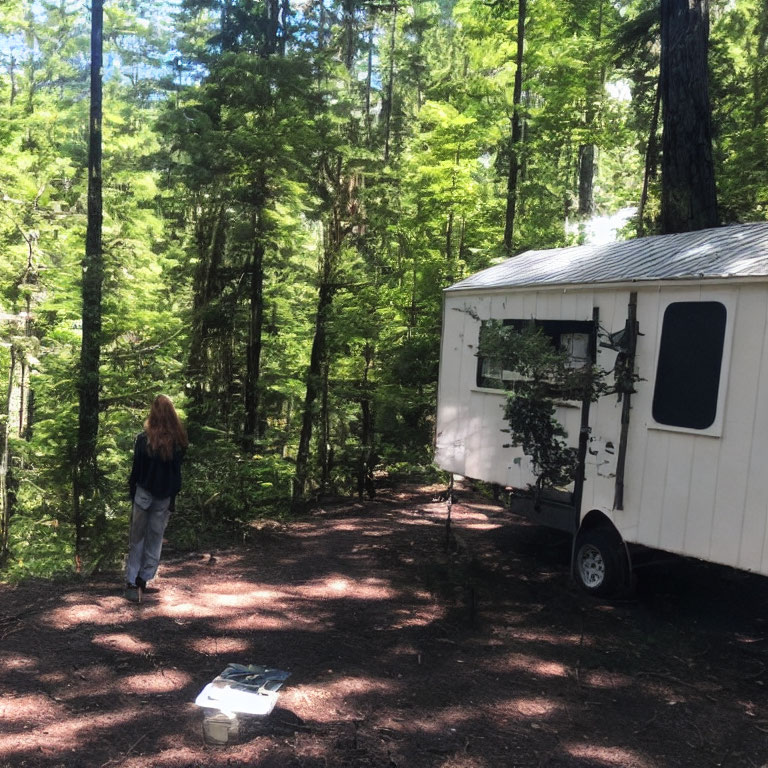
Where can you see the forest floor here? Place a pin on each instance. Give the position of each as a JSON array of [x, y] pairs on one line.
[[403, 653]]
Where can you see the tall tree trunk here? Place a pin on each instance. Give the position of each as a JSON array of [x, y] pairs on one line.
[[332, 242], [5, 427], [688, 194], [586, 178], [25, 388], [286, 26], [93, 277], [449, 239], [12, 75], [350, 44], [388, 106], [324, 448], [228, 31], [368, 458], [368, 83], [516, 132], [759, 85], [321, 29], [210, 241], [587, 151], [255, 326], [271, 43], [314, 380]]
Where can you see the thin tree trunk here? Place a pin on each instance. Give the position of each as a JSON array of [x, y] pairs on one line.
[[759, 70], [12, 75], [273, 26], [321, 26], [348, 10], [286, 26], [255, 326], [25, 387], [319, 354], [516, 133], [368, 82], [586, 177], [314, 382], [287, 430], [367, 461], [210, 236], [5, 502], [388, 106], [92, 280], [22, 395], [323, 450], [587, 151], [688, 193]]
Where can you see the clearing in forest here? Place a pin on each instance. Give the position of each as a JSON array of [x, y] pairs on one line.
[[403, 653]]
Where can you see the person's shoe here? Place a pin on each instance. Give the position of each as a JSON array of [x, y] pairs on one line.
[[132, 592]]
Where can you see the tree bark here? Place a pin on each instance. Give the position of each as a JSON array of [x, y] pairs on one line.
[[5, 503], [314, 382], [759, 70], [688, 194], [368, 458], [92, 280], [12, 75], [587, 152], [323, 450], [368, 83], [210, 237], [348, 10], [255, 326], [387, 106], [586, 176], [516, 132]]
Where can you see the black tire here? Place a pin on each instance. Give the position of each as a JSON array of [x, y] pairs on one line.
[[599, 562]]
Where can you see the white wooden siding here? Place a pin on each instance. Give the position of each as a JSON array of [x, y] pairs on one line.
[[687, 492]]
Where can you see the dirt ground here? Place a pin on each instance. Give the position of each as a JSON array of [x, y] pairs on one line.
[[403, 653]]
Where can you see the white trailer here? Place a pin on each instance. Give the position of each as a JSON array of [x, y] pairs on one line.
[[681, 464]]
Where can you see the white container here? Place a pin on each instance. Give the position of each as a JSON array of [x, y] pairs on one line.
[[221, 696], [220, 728]]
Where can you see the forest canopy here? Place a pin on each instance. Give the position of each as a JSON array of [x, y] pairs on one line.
[[286, 188]]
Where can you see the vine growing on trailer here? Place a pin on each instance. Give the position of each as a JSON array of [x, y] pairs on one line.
[[539, 376]]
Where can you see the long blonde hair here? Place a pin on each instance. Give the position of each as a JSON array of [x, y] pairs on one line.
[[164, 429]]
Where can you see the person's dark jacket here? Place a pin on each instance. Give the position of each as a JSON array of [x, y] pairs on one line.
[[160, 478]]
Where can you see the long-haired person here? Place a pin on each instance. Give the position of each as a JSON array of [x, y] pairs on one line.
[[154, 482]]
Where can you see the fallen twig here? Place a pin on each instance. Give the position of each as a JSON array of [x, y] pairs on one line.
[[669, 678], [128, 752], [646, 724]]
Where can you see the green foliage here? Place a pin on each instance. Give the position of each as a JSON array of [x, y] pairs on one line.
[[224, 490], [543, 376], [375, 180]]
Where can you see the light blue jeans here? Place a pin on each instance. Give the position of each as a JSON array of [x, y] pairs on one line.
[[148, 521]]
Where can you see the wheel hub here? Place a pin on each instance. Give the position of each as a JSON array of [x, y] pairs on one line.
[[591, 566]]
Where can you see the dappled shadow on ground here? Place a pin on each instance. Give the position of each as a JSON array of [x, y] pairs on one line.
[[403, 652]]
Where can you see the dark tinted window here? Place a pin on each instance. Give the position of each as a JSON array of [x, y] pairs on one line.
[[690, 356]]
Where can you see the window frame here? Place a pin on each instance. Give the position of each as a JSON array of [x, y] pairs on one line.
[[555, 329], [716, 428]]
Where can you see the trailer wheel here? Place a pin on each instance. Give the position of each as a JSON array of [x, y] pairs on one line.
[[599, 562]]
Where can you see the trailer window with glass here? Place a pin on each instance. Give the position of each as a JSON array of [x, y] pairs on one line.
[[574, 337], [690, 358]]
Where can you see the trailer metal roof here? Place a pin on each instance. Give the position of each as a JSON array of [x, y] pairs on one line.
[[739, 250]]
